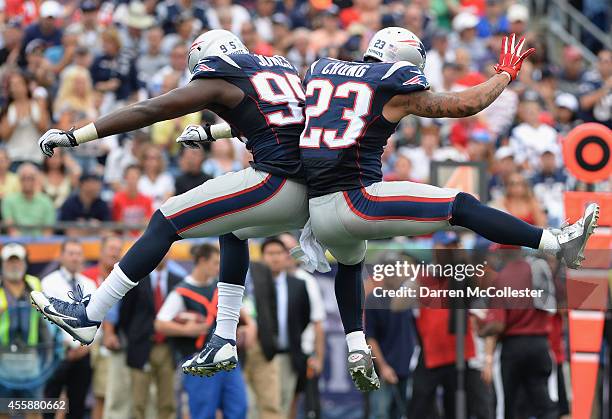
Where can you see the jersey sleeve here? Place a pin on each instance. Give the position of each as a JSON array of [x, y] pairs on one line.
[[217, 67], [404, 77]]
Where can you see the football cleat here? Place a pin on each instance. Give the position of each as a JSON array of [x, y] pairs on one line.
[[70, 316], [218, 354], [361, 369], [573, 238]]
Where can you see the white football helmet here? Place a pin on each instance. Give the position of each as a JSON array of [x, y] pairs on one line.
[[215, 42], [396, 44]]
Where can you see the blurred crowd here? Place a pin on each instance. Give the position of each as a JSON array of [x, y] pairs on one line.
[[63, 64]]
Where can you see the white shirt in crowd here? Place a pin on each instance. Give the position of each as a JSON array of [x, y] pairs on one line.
[[317, 309], [174, 303], [282, 310], [529, 142], [156, 189], [59, 282]]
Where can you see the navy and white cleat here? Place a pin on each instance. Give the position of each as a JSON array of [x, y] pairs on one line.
[[361, 369], [573, 238], [218, 354], [70, 316]]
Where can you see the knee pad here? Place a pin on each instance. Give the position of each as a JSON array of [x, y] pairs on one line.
[[159, 226], [463, 204]]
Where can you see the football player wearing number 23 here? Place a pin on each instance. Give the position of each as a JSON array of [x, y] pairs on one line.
[[351, 110]]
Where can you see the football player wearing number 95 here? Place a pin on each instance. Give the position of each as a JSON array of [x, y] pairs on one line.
[[351, 110], [262, 99]]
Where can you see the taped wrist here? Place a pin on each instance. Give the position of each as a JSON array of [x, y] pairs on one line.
[[85, 134]]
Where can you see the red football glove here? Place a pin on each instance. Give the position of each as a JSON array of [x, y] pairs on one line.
[[510, 57]]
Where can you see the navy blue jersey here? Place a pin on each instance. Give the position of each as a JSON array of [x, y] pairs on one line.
[[345, 132], [271, 114]]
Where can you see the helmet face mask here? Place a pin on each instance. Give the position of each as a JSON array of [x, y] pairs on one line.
[[214, 43], [396, 44]]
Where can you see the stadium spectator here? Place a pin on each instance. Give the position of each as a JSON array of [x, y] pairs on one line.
[[28, 207], [153, 60], [566, 111], [134, 19], [522, 329], [330, 36], [85, 205], [155, 182], [9, 181], [164, 133], [503, 167], [572, 70], [494, 21], [167, 13], [75, 106], [126, 155], [402, 169], [313, 337], [300, 54], [177, 67], [187, 28], [464, 25], [422, 156], [10, 52], [60, 175], [436, 57], [253, 41], [46, 28], [88, 28], [38, 68], [520, 201], [74, 373], [596, 91], [114, 75], [191, 174], [110, 253], [222, 159], [22, 120], [437, 359], [23, 328], [390, 332], [129, 205], [104, 385], [261, 371], [289, 292], [549, 183], [282, 36], [238, 15], [531, 136], [518, 18], [150, 359], [187, 317]]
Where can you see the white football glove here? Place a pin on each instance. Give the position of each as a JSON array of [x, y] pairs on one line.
[[56, 138], [193, 136]]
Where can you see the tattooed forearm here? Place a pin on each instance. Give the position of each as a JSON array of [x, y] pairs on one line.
[[458, 104]]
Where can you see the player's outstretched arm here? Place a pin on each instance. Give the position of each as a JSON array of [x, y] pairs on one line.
[[456, 104], [470, 101], [195, 96]]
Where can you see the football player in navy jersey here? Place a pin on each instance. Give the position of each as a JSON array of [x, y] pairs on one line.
[[351, 109], [262, 99]]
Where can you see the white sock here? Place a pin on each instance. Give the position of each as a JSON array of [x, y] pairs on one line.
[[549, 243], [356, 341], [114, 287], [228, 309]]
